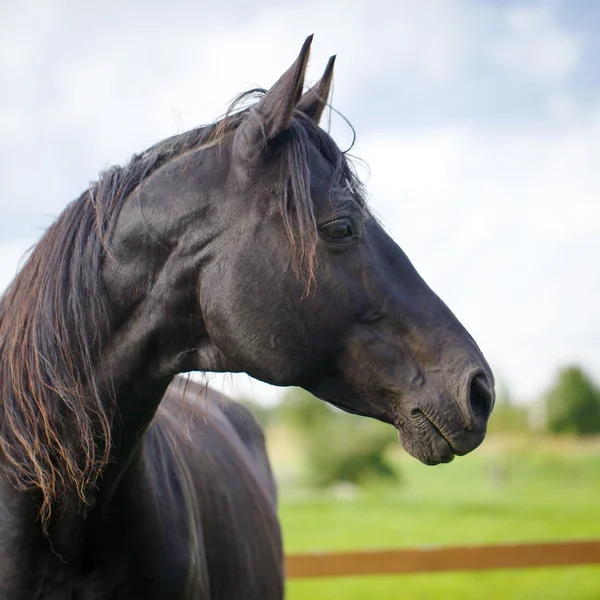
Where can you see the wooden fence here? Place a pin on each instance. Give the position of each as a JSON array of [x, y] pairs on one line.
[[447, 558]]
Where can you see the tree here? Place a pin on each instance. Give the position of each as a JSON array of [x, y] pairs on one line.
[[573, 403], [264, 414], [507, 414], [302, 412], [337, 446]]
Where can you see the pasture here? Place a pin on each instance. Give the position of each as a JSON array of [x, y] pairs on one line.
[[513, 489]]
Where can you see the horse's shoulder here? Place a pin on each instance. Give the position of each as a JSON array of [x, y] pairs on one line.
[[215, 425]]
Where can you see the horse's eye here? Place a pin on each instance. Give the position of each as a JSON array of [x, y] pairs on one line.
[[337, 230]]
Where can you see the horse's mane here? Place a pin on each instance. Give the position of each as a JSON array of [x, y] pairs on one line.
[[55, 422]]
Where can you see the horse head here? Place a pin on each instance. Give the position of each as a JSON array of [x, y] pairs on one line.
[[249, 247]]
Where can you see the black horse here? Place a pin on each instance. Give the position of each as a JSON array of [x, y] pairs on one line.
[[243, 246], [196, 518]]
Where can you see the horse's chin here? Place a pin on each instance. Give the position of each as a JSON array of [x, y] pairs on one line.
[[430, 447]]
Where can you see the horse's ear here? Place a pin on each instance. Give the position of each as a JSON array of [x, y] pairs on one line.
[[314, 101], [274, 112]]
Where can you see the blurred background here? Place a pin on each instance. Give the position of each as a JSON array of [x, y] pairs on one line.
[[479, 122]]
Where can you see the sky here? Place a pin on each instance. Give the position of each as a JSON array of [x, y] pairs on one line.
[[479, 122]]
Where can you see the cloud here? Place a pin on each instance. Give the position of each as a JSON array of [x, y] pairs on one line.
[[12, 257], [482, 152], [533, 45]]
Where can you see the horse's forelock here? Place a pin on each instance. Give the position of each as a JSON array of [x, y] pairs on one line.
[[297, 206]]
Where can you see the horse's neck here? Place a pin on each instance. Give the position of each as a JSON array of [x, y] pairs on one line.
[[140, 353], [136, 409], [141, 357], [134, 369]]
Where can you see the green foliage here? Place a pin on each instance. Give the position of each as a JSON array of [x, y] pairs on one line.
[[303, 413], [507, 416], [337, 446], [573, 403], [265, 415]]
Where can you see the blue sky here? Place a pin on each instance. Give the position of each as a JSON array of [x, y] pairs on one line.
[[480, 122]]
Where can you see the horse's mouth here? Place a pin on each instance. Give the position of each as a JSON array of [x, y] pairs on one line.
[[427, 442]]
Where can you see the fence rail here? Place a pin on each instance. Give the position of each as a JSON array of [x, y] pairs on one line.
[[447, 558]]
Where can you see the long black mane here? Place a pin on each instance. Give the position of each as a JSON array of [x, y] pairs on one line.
[[55, 422]]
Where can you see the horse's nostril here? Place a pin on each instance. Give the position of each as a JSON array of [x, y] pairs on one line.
[[414, 412], [480, 398]]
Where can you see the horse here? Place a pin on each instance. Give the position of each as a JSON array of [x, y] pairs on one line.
[[213, 465], [243, 246]]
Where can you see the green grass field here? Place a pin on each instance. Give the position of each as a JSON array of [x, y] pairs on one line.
[[508, 491]]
